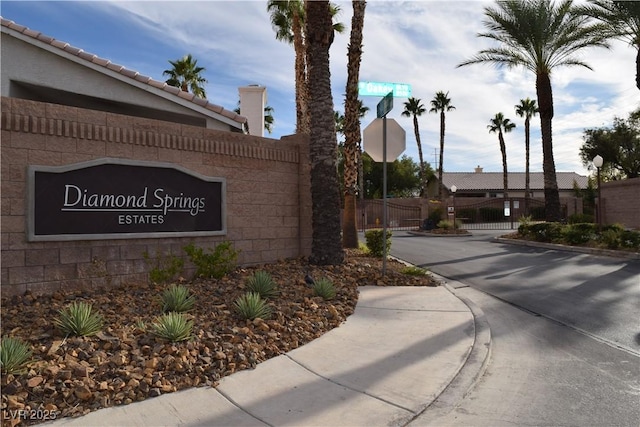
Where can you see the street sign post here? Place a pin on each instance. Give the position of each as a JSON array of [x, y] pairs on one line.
[[372, 136]]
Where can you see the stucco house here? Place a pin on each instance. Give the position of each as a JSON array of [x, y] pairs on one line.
[[490, 184], [41, 68]]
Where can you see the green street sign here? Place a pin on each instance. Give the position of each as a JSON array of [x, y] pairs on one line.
[[385, 105], [400, 90]]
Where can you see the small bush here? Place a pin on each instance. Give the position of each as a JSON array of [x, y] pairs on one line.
[[579, 218], [414, 271], [579, 234], [610, 238], [164, 267], [324, 288], [79, 319], [261, 283], [173, 327], [14, 355], [251, 306], [630, 239], [374, 241], [176, 298], [213, 264], [546, 232], [362, 247], [436, 214]]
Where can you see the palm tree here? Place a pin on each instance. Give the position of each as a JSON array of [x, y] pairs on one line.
[[288, 21], [352, 107], [268, 117], [540, 36], [186, 74], [413, 107], [441, 103], [501, 125], [623, 21], [326, 246], [527, 109]]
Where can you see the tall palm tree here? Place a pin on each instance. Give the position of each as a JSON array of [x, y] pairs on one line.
[[440, 104], [540, 35], [527, 109], [352, 107], [414, 108], [185, 74], [502, 125], [288, 21], [623, 21], [326, 246]]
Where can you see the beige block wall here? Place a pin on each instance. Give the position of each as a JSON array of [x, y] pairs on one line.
[[268, 192], [621, 202]]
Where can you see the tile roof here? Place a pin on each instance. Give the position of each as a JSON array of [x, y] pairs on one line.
[[467, 181], [107, 64]]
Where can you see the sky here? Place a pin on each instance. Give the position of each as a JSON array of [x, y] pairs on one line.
[[419, 43]]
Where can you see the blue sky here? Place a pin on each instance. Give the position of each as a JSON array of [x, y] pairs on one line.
[[416, 42]]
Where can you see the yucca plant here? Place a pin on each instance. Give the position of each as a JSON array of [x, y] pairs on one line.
[[262, 283], [14, 355], [411, 270], [177, 298], [173, 327], [79, 319], [251, 306], [324, 288]]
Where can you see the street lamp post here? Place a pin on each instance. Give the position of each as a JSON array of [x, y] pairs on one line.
[[597, 162], [453, 190]]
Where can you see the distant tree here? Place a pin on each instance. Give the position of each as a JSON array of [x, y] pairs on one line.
[[540, 36], [500, 125], [326, 244], [441, 103], [185, 74], [618, 145], [527, 109], [403, 177], [414, 108], [622, 19]]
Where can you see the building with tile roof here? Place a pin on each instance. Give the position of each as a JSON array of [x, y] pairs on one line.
[[490, 184], [41, 68]]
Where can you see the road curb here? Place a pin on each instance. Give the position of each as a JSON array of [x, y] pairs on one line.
[[472, 369], [578, 249]]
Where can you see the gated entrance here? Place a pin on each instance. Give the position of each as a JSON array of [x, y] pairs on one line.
[[399, 216], [497, 213]]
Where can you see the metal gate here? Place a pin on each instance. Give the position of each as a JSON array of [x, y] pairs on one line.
[[498, 214], [399, 217]]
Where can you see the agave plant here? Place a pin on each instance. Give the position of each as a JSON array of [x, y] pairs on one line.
[[324, 288], [79, 319], [262, 283], [173, 327], [251, 306], [177, 298], [14, 355]]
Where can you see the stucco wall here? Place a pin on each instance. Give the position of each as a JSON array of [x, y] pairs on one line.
[[268, 192], [621, 202]]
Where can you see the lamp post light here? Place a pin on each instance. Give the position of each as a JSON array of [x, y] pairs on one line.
[[597, 162], [453, 190]]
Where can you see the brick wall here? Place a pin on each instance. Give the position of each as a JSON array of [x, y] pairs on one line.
[[268, 192], [621, 202]]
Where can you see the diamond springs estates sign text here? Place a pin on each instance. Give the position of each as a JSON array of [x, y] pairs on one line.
[[116, 198]]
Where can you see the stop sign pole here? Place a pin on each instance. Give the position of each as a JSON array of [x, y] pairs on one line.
[[383, 108]]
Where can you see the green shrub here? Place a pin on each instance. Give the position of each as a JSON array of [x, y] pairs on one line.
[[436, 214], [261, 283], [578, 218], [579, 234], [489, 214], [524, 229], [14, 355], [412, 270], [324, 288], [213, 264], [251, 306], [79, 319], [610, 238], [374, 241], [176, 298], [546, 231], [630, 239], [615, 227], [173, 327], [362, 247], [164, 267]]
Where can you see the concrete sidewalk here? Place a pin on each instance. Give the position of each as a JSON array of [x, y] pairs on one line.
[[386, 365]]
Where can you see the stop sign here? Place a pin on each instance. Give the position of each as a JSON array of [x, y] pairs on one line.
[[372, 140]]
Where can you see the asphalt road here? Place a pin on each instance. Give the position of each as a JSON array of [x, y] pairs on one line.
[[565, 346]]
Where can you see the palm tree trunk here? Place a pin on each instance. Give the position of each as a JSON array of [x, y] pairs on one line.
[[352, 127], [505, 175], [300, 72], [423, 173], [326, 246], [545, 103], [441, 151], [526, 166]]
